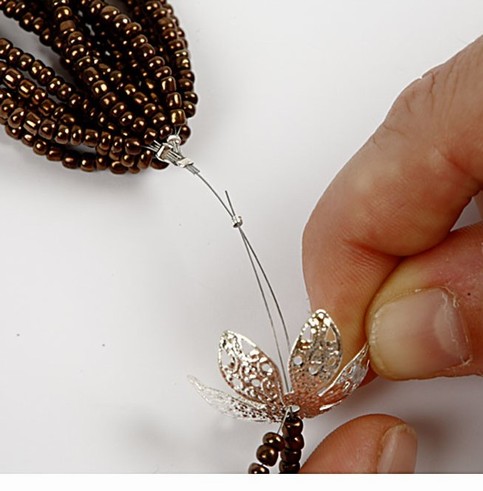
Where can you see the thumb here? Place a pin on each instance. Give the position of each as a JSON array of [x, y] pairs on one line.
[[376, 443], [426, 319]]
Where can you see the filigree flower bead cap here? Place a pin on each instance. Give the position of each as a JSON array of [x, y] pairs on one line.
[[318, 380]]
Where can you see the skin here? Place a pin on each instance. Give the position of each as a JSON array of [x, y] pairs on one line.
[[389, 213]]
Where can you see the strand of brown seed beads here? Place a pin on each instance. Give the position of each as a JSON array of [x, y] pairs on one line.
[[288, 446], [132, 82], [132, 85]]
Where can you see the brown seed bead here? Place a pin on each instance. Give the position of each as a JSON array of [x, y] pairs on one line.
[[25, 61], [149, 136], [190, 96], [178, 117], [291, 456], [267, 455], [102, 163], [295, 442], [174, 100], [47, 129], [133, 146], [108, 100], [40, 147], [76, 135], [145, 159], [185, 85], [5, 46], [104, 143], [31, 123], [12, 78], [258, 469], [157, 164], [117, 168], [54, 154], [71, 160], [47, 107], [91, 137], [184, 133], [13, 132], [88, 164], [8, 105], [158, 120], [168, 84], [62, 135], [15, 119], [26, 88], [189, 109], [286, 468], [128, 160], [28, 139], [99, 88], [139, 125], [187, 74], [274, 440], [293, 426]]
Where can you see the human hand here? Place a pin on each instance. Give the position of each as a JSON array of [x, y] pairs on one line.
[[379, 255]]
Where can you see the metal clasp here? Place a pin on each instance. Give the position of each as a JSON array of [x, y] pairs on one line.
[[169, 152]]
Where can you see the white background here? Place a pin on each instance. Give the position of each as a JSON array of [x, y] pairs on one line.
[[114, 288]]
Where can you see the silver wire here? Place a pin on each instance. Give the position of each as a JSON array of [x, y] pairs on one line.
[[170, 152], [255, 262]]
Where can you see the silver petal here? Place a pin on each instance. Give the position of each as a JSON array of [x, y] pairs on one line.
[[234, 406], [249, 371], [347, 381], [316, 355]]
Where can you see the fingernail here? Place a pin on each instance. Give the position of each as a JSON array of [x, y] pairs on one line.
[[398, 451], [419, 335]]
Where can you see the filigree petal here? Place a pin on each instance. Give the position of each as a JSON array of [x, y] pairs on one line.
[[236, 407], [347, 381], [249, 371], [350, 377], [316, 355]]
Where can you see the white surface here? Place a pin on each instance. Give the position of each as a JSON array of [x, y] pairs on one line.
[[115, 288]]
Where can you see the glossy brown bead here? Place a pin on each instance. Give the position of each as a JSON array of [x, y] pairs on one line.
[[76, 135], [267, 455], [54, 153], [295, 442], [177, 117], [15, 133], [62, 135], [6, 108], [12, 78], [286, 468], [291, 456], [26, 88], [87, 164], [101, 162], [168, 85], [292, 426], [117, 168], [189, 109], [28, 139], [132, 146], [40, 147], [47, 129], [91, 137], [16, 118], [258, 469], [145, 159], [31, 123], [71, 160], [274, 440]]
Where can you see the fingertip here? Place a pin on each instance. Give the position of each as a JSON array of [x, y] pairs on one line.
[[376, 443]]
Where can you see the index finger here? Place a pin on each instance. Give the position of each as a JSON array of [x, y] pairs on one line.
[[400, 194]]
